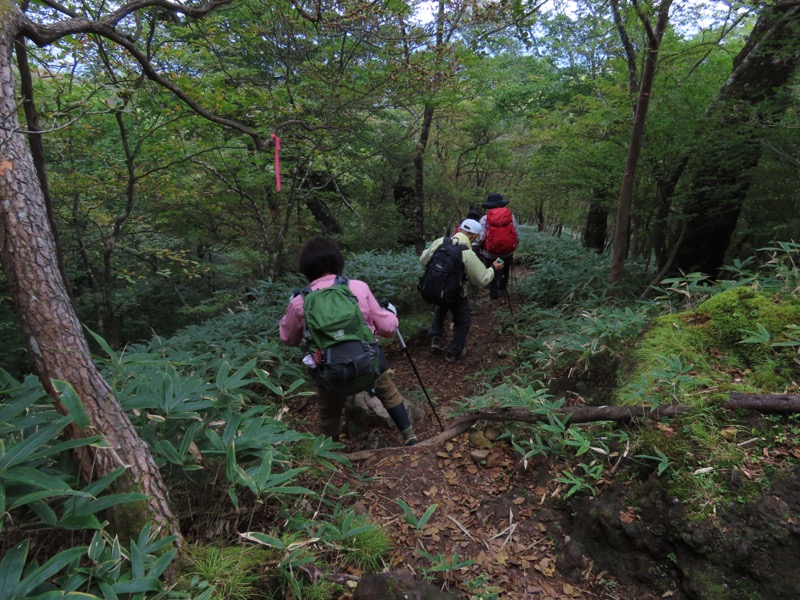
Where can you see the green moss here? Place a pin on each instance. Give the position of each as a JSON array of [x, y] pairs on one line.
[[127, 520], [699, 351], [736, 312]]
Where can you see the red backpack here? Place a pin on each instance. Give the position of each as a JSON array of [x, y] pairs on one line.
[[501, 235]]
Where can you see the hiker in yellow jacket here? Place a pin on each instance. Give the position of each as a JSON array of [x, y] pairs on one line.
[[475, 273]]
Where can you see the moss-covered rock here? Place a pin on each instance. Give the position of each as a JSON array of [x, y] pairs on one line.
[[702, 350], [732, 315]]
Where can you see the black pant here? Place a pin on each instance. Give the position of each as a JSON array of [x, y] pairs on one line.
[[462, 319], [500, 280]]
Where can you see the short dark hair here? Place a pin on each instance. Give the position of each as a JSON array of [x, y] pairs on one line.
[[320, 256]]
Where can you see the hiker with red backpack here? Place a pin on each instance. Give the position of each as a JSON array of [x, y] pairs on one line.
[[499, 240], [450, 266], [340, 320]]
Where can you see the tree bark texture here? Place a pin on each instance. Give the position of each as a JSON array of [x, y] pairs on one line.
[[53, 334], [755, 91]]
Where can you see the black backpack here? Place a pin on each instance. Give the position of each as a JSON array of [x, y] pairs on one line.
[[347, 359], [444, 274]]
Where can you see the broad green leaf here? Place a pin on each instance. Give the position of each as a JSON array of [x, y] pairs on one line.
[[263, 539], [104, 345], [11, 566], [22, 451], [69, 398], [104, 502], [96, 546], [41, 495], [38, 576], [34, 477], [137, 586]]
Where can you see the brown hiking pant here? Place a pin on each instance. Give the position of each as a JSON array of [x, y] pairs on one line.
[[331, 404]]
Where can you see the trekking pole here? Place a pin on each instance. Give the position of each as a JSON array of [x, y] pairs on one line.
[[508, 296], [422, 385]]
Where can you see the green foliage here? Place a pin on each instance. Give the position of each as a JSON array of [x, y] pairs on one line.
[[410, 516], [359, 542], [38, 487], [392, 275], [444, 563], [230, 572], [18, 583], [33, 481]]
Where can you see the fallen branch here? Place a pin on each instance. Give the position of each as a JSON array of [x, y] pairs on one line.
[[763, 403], [766, 403], [578, 414]]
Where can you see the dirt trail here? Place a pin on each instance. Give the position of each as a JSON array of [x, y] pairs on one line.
[[488, 508]]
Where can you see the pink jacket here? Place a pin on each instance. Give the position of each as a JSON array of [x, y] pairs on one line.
[[381, 321]]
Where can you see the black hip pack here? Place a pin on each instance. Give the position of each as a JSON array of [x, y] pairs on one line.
[[349, 367]]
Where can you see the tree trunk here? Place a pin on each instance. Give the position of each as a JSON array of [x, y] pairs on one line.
[[594, 235], [405, 203], [622, 230], [722, 179], [52, 332], [419, 179]]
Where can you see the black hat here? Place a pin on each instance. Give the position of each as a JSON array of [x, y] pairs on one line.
[[495, 200]]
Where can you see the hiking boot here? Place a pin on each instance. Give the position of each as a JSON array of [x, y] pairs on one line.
[[409, 437], [452, 357], [436, 343]]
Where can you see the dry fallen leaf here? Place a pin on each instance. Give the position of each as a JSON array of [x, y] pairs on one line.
[[546, 566], [669, 431], [629, 516]]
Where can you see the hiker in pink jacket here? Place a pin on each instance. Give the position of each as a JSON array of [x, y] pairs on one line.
[[321, 262]]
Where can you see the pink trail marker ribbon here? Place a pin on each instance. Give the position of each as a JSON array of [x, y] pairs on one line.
[[277, 141]]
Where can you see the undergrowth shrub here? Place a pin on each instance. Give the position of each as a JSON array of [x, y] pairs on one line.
[[393, 275], [54, 540], [564, 273]]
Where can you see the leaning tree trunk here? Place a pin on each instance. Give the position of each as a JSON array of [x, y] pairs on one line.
[[756, 89], [51, 328]]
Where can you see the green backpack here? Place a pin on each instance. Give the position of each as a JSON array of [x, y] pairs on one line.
[[347, 359]]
